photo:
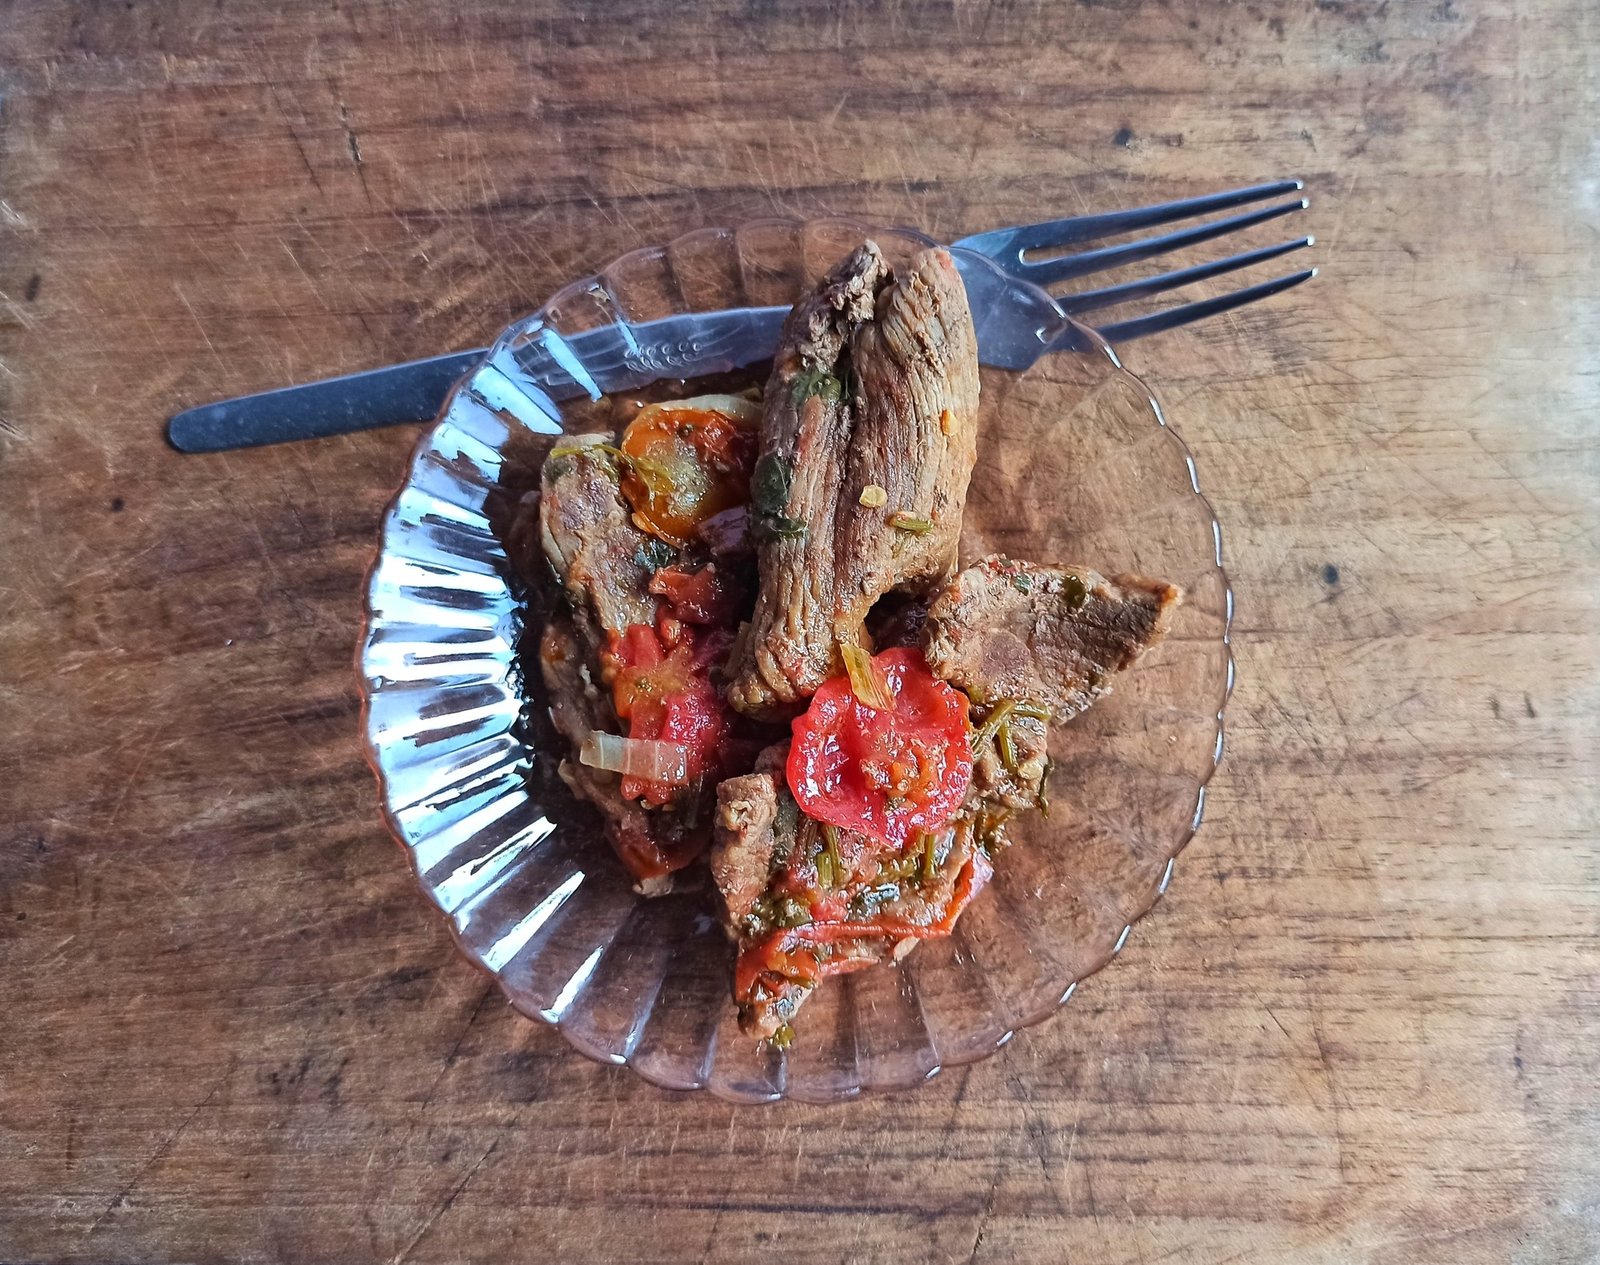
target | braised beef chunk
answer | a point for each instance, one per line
(753, 832)
(643, 840)
(916, 387)
(806, 424)
(604, 562)
(1048, 637)
(867, 445)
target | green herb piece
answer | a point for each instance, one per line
(783, 1038)
(1031, 711)
(653, 554)
(987, 730)
(1008, 747)
(1074, 590)
(785, 829)
(866, 682)
(1022, 582)
(809, 382)
(901, 521)
(770, 484)
(769, 493)
(791, 912)
(930, 856)
(830, 838)
(824, 871)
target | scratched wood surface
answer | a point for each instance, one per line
(1365, 1024)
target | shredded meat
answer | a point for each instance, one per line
(1048, 635)
(867, 445)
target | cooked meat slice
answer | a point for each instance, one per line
(916, 373)
(1051, 636)
(859, 492)
(650, 844)
(805, 435)
(745, 844)
(602, 560)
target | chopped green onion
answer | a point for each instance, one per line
(866, 682)
(1031, 711)
(830, 837)
(901, 521)
(988, 729)
(930, 856)
(1008, 748)
(1022, 582)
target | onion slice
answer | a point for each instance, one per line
(648, 759)
(866, 682)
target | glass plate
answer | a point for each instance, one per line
(1076, 464)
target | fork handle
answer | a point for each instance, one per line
(335, 406)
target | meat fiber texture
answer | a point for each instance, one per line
(868, 440)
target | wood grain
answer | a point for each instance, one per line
(1365, 1024)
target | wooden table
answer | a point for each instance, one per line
(1365, 1024)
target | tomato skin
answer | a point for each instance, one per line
(885, 773)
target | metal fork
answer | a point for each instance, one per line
(1041, 254)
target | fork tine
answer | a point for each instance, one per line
(1110, 296)
(1157, 322)
(1048, 271)
(1084, 228)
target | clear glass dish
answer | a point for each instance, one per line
(1076, 464)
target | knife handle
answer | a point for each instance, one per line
(413, 392)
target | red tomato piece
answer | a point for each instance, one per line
(688, 461)
(792, 955)
(702, 597)
(666, 694)
(884, 772)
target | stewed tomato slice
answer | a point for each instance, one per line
(687, 461)
(666, 693)
(884, 771)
